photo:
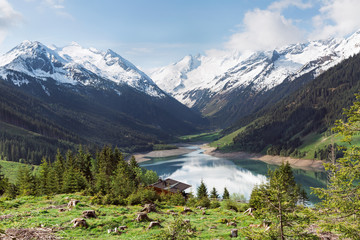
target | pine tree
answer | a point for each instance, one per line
(25, 181)
(214, 194)
(4, 182)
(202, 191)
(43, 178)
(278, 197)
(342, 196)
(226, 194)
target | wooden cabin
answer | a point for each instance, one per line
(169, 186)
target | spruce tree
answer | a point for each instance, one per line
(43, 178)
(202, 191)
(226, 194)
(341, 198)
(214, 194)
(25, 181)
(3, 182)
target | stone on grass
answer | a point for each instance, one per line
(148, 208)
(142, 217)
(153, 224)
(122, 228)
(234, 233)
(73, 203)
(186, 210)
(79, 222)
(89, 214)
(231, 224)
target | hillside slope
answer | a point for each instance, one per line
(73, 95)
(232, 85)
(313, 109)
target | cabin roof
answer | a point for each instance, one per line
(171, 185)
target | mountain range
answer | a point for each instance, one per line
(83, 96)
(229, 85)
(57, 98)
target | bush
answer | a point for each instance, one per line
(231, 204)
(178, 229)
(173, 199)
(142, 196)
(214, 204)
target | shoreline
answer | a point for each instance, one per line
(181, 150)
(305, 164)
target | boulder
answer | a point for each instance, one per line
(73, 203)
(149, 208)
(79, 222)
(89, 214)
(186, 210)
(153, 224)
(234, 233)
(142, 217)
(122, 228)
(231, 224)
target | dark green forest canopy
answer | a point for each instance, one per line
(311, 109)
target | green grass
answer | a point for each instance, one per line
(10, 169)
(226, 140)
(312, 142)
(31, 212)
(202, 137)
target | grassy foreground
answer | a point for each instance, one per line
(43, 212)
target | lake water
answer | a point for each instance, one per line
(238, 176)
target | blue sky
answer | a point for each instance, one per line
(153, 33)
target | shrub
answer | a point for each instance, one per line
(173, 199)
(142, 196)
(178, 229)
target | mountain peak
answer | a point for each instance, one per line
(74, 64)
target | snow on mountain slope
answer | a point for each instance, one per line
(259, 70)
(74, 64)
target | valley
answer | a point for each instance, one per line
(84, 123)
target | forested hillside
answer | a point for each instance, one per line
(311, 109)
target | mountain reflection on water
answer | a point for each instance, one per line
(238, 176)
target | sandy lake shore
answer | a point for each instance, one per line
(181, 150)
(305, 164)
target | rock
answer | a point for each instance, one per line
(110, 231)
(249, 212)
(149, 208)
(203, 208)
(62, 210)
(231, 224)
(122, 228)
(89, 214)
(212, 227)
(142, 217)
(73, 203)
(203, 213)
(186, 220)
(234, 233)
(79, 222)
(153, 224)
(186, 210)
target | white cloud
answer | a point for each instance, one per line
(8, 18)
(337, 18)
(57, 4)
(264, 30)
(283, 4)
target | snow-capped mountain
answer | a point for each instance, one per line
(74, 65)
(195, 80)
(94, 97)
